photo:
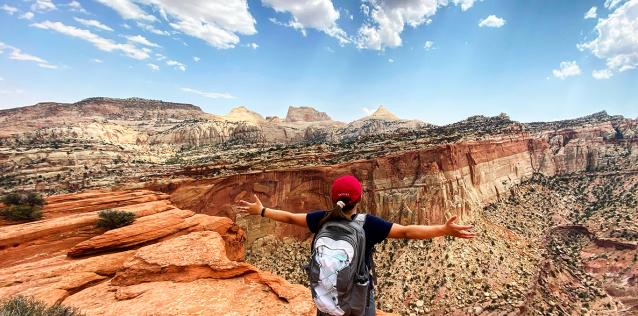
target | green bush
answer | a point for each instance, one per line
(29, 306)
(111, 219)
(22, 213)
(22, 206)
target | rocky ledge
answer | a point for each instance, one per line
(170, 261)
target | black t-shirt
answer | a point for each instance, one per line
(375, 228)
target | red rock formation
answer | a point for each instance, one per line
(184, 264)
(422, 186)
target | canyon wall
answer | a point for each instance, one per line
(423, 186)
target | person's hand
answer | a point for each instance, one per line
(458, 231)
(251, 208)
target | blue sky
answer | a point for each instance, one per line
(435, 60)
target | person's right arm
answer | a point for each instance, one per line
(255, 208)
(430, 231)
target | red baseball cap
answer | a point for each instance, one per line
(347, 187)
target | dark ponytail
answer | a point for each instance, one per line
(338, 212)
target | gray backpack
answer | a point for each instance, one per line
(339, 277)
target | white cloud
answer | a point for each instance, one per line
(317, 14)
(126, 26)
(139, 39)
(93, 23)
(17, 54)
(212, 95)
(617, 38)
(15, 91)
(253, 45)
(153, 67)
(76, 7)
(217, 22)
(27, 16)
(465, 4)
(196, 59)
(610, 4)
(390, 60)
(492, 21)
(602, 74)
(592, 13)
(367, 111)
(9, 9)
(43, 5)
(98, 41)
(97, 61)
(176, 64)
(387, 19)
(152, 29)
(429, 45)
(128, 10)
(160, 57)
(567, 69)
(49, 66)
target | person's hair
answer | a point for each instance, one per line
(338, 212)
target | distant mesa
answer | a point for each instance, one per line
(383, 114)
(241, 113)
(305, 114)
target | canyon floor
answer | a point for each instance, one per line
(554, 204)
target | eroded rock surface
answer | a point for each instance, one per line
(169, 261)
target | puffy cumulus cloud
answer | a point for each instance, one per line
(94, 23)
(567, 69)
(592, 13)
(43, 5)
(17, 54)
(464, 4)
(176, 64)
(196, 59)
(212, 95)
(316, 14)
(617, 38)
(492, 21)
(153, 67)
(139, 39)
(253, 45)
(602, 74)
(27, 16)
(9, 9)
(386, 19)
(128, 10)
(217, 22)
(76, 7)
(97, 41)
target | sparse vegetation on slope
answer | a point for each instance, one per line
(22, 206)
(29, 306)
(112, 219)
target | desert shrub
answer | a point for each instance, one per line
(111, 219)
(22, 206)
(29, 306)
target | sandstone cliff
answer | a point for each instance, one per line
(305, 114)
(169, 261)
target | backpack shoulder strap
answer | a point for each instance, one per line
(360, 219)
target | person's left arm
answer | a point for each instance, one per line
(430, 231)
(255, 208)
